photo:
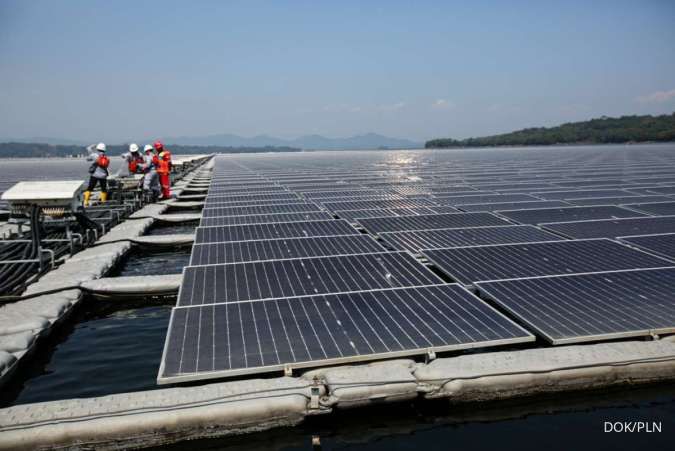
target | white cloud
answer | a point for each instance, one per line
(393, 107)
(657, 97)
(442, 104)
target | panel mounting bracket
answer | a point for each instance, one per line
(288, 371)
(430, 356)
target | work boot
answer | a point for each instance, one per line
(87, 195)
(104, 197)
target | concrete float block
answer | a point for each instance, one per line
(354, 386)
(498, 375)
(11, 323)
(7, 360)
(157, 416)
(17, 342)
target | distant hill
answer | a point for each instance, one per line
(308, 142)
(41, 150)
(605, 130)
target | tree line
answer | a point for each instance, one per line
(39, 150)
(604, 130)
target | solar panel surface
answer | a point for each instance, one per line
(215, 284)
(428, 222)
(262, 336)
(272, 230)
(247, 251)
(539, 216)
(663, 245)
(299, 207)
(509, 261)
(414, 241)
(612, 228)
(264, 219)
(590, 307)
(655, 208)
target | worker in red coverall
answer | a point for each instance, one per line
(164, 169)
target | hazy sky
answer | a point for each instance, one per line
(113, 70)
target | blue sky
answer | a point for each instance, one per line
(93, 70)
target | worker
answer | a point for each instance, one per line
(134, 162)
(151, 186)
(98, 171)
(164, 169)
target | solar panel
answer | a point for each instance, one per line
(590, 307)
(224, 198)
(429, 222)
(513, 205)
(559, 195)
(416, 240)
(444, 209)
(663, 244)
(226, 283)
(508, 261)
(264, 219)
(617, 200)
(663, 190)
(241, 190)
(249, 232)
(538, 216)
(484, 199)
(253, 203)
(209, 212)
(655, 208)
(352, 215)
(265, 336)
(376, 204)
(612, 228)
(245, 251)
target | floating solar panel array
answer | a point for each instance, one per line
(313, 259)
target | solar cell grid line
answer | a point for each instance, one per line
(353, 215)
(232, 282)
(484, 199)
(375, 204)
(654, 208)
(578, 194)
(618, 201)
(658, 244)
(282, 248)
(570, 213)
(208, 212)
(472, 264)
(263, 231)
(264, 219)
(513, 205)
(429, 222)
(415, 241)
(590, 307)
(322, 330)
(612, 228)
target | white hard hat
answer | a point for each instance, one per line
(133, 147)
(147, 147)
(101, 147)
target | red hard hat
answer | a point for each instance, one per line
(159, 145)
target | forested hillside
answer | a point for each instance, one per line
(605, 130)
